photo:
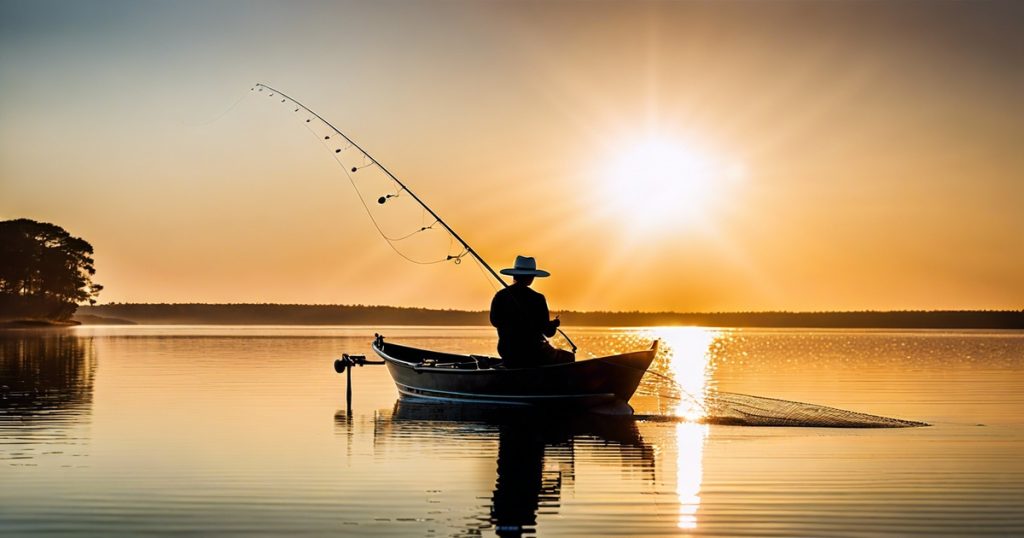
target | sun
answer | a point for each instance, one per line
(661, 181)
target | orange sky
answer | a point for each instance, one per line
(837, 155)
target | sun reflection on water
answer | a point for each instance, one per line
(689, 471)
(688, 352)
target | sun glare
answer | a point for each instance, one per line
(689, 351)
(660, 181)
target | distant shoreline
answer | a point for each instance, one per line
(37, 324)
(293, 314)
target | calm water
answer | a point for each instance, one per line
(242, 430)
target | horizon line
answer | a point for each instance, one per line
(360, 305)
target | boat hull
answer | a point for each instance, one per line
(424, 374)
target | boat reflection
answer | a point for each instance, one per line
(535, 458)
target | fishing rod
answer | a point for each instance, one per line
(374, 162)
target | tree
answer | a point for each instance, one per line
(44, 271)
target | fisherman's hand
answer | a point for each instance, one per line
(556, 322)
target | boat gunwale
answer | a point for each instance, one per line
(471, 358)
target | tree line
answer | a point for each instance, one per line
(45, 272)
(297, 314)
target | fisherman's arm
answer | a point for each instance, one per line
(550, 325)
(497, 311)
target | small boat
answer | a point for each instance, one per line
(604, 383)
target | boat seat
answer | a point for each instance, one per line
(485, 362)
(479, 362)
(455, 365)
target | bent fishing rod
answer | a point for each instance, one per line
(403, 187)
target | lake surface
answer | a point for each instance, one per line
(108, 431)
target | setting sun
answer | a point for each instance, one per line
(662, 181)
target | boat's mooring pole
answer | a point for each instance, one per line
(348, 390)
(345, 364)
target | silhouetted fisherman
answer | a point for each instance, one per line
(521, 316)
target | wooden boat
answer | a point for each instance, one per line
(605, 382)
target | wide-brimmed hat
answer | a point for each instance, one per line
(525, 266)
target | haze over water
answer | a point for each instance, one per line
(242, 431)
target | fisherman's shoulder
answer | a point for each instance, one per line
(530, 293)
(503, 293)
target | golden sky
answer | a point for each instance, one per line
(684, 156)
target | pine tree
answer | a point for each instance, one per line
(45, 272)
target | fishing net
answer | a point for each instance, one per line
(680, 375)
(747, 410)
(711, 406)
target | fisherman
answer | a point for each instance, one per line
(521, 316)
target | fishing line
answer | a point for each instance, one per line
(368, 162)
(366, 208)
(490, 281)
(680, 388)
(390, 240)
(218, 116)
(414, 232)
(366, 156)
